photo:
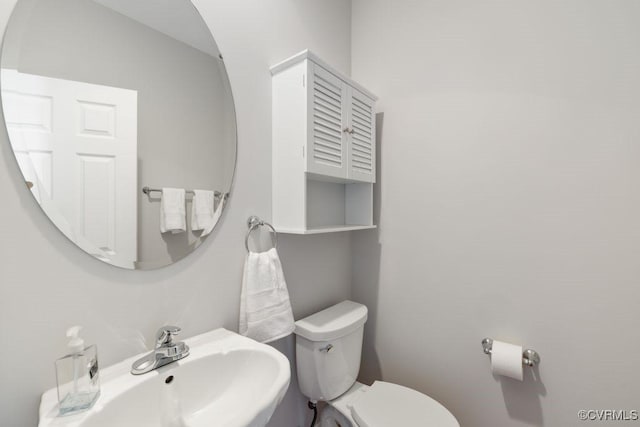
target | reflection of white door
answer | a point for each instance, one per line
(77, 142)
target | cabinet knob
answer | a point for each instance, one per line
(349, 131)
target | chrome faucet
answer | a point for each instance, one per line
(166, 351)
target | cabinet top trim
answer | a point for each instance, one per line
(307, 54)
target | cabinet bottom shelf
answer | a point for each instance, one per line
(324, 229)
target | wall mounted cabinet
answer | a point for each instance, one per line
(324, 148)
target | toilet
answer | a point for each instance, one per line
(328, 350)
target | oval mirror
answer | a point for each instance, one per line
(105, 98)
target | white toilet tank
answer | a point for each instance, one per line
(328, 350)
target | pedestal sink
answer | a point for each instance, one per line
(227, 381)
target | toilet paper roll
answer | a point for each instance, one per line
(506, 359)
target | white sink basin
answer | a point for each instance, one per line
(227, 380)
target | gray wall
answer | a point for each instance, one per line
(47, 284)
(183, 139)
(509, 202)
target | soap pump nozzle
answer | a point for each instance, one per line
(76, 344)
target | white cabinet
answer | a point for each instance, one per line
(342, 127)
(323, 148)
(362, 137)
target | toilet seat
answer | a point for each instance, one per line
(386, 404)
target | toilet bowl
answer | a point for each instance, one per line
(385, 404)
(328, 350)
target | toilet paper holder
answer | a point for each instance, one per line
(529, 357)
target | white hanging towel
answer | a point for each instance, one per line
(202, 213)
(265, 310)
(172, 211)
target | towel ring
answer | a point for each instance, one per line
(253, 223)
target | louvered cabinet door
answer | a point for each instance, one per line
(362, 135)
(327, 154)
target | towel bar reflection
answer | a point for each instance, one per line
(529, 357)
(253, 223)
(148, 190)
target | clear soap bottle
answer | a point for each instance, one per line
(77, 375)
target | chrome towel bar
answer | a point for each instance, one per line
(253, 223)
(147, 190)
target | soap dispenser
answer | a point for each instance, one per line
(77, 375)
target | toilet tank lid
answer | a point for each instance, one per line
(333, 322)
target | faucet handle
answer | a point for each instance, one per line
(165, 334)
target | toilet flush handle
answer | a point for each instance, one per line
(327, 348)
